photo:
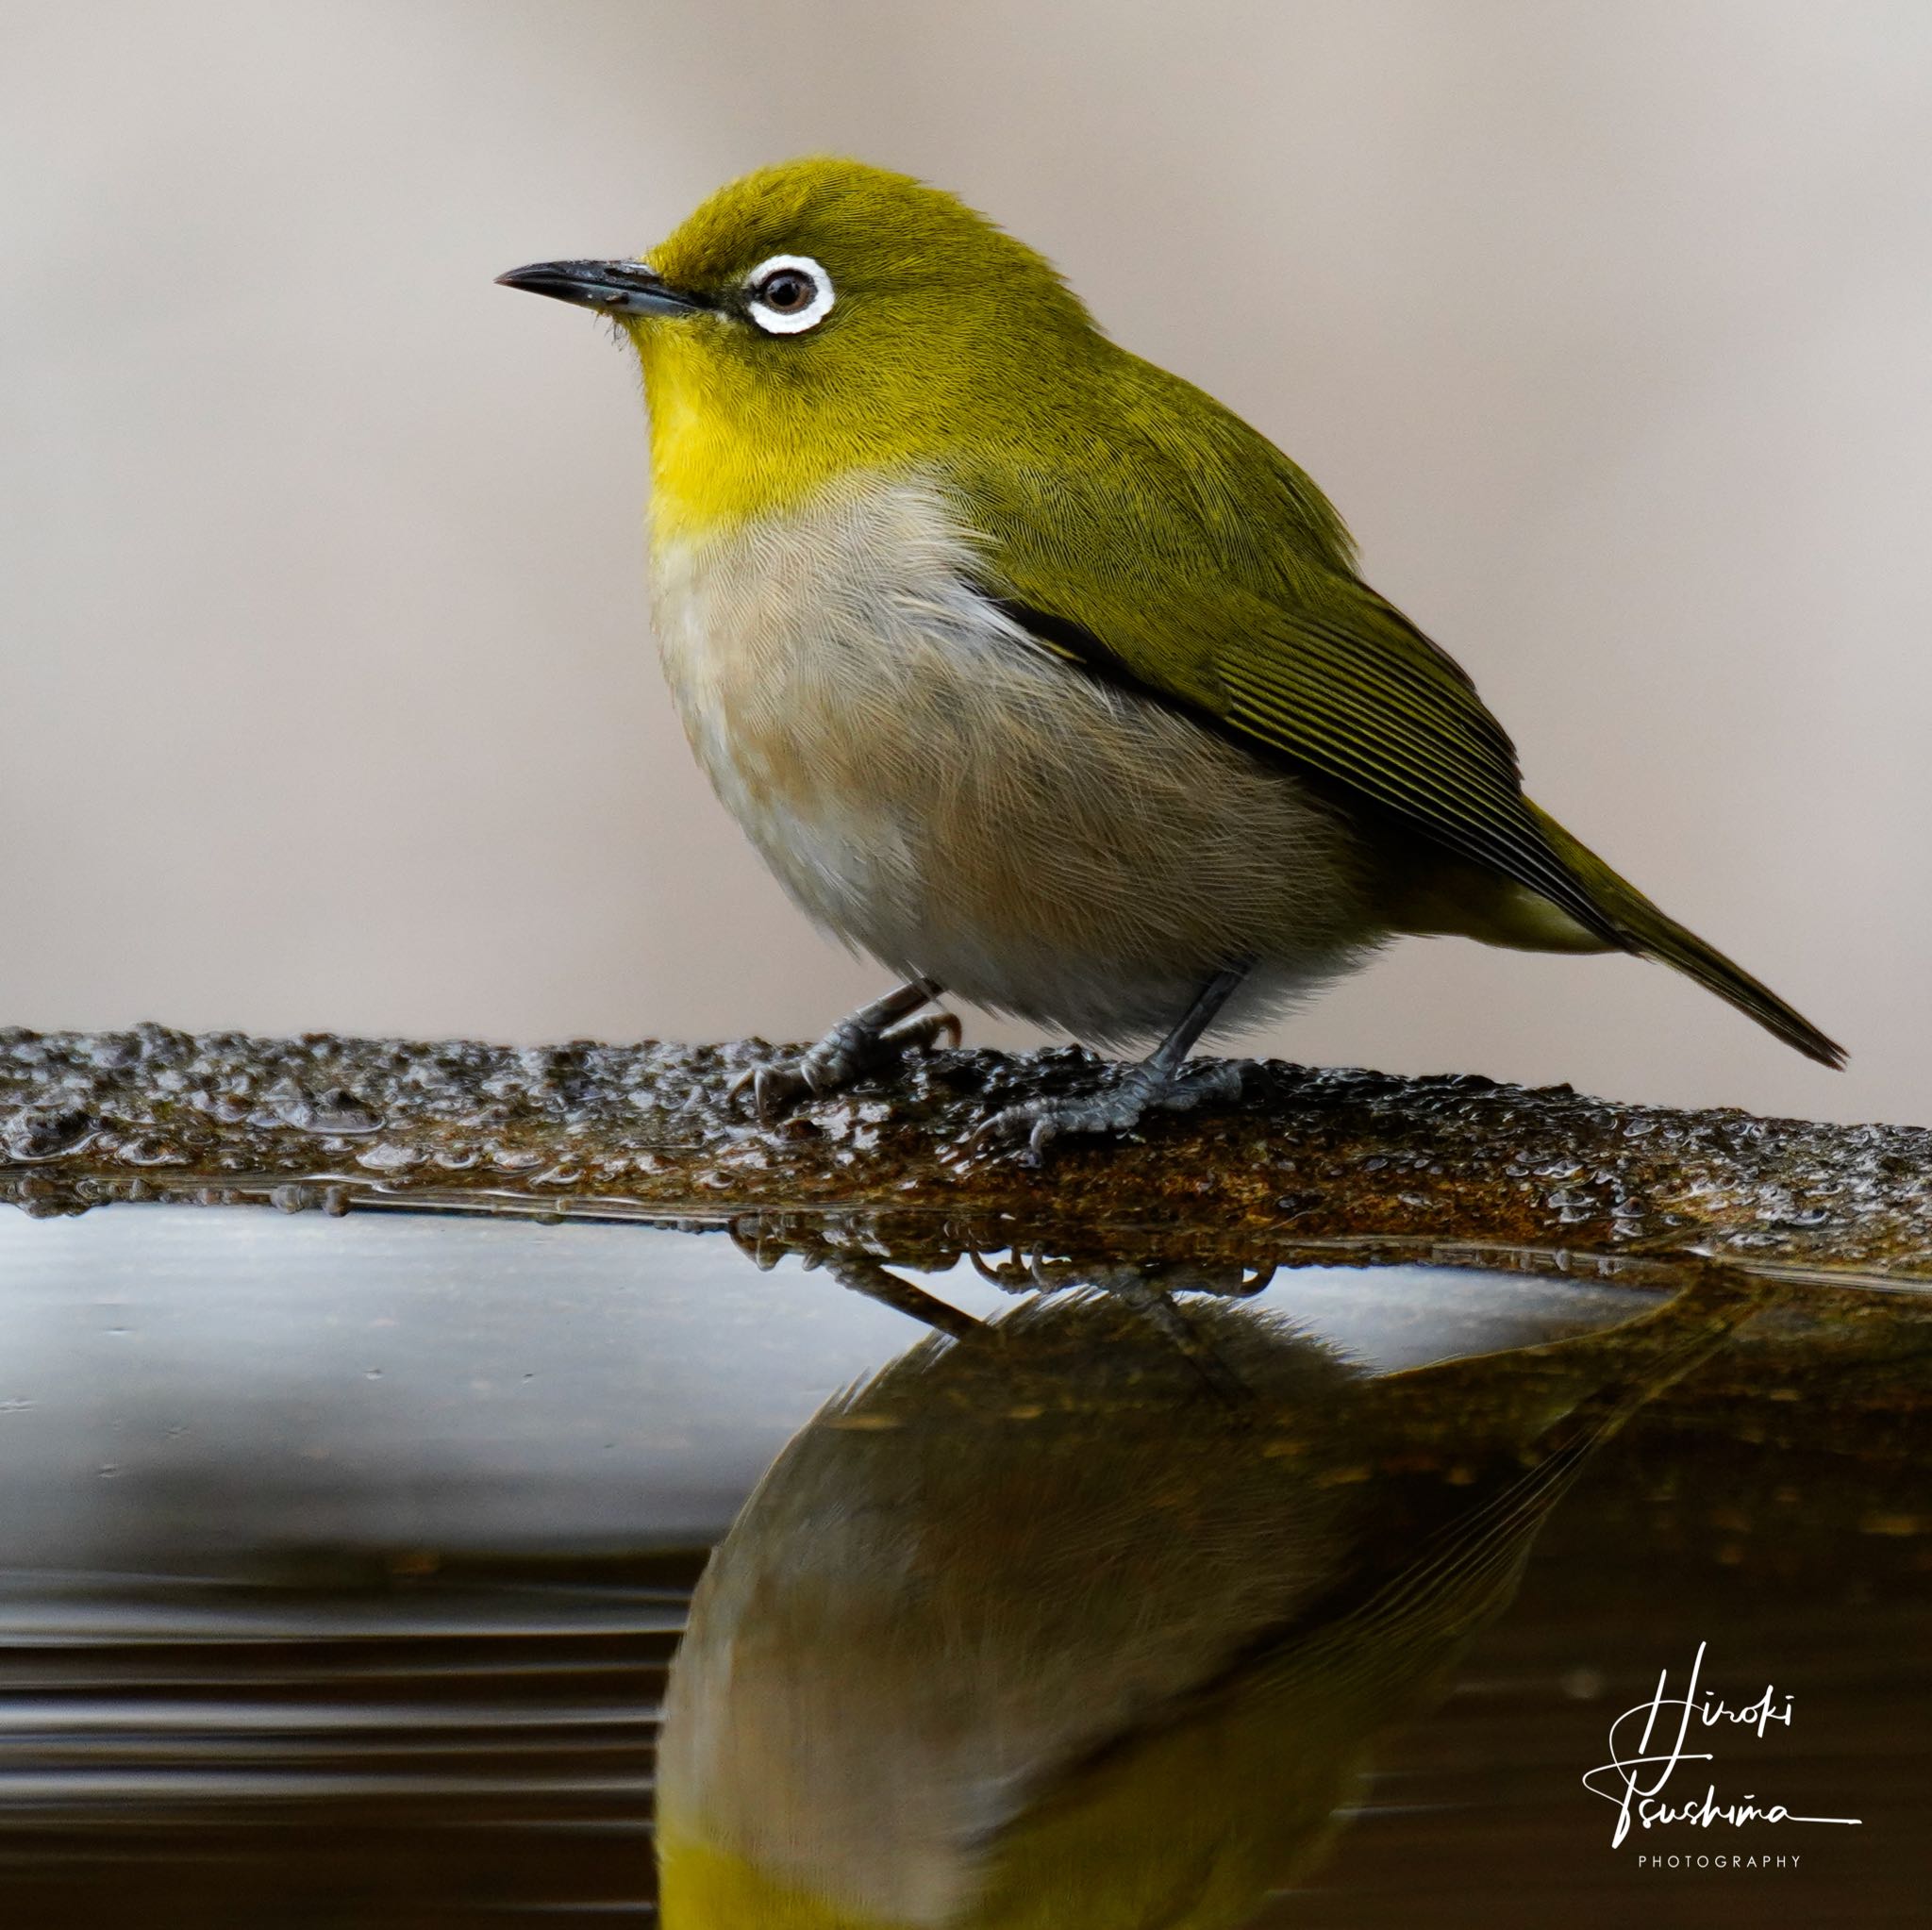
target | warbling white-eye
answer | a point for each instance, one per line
(1037, 674)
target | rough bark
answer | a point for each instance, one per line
(1309, 1159)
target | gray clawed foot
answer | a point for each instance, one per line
(867, 1042)
(1147, 1088)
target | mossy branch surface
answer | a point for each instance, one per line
(653, 1130)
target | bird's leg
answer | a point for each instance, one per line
(874, 1036)
(1162, 1082)
(864, 1275)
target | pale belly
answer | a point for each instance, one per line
(947, 796)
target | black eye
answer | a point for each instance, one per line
(787, 289)
(789, 293)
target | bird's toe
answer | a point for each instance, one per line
(854, 1048)
(1114, 1112)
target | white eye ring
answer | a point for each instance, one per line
(790, 321)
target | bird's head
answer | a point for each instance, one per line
(823, 316)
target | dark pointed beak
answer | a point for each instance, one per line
(618, 287)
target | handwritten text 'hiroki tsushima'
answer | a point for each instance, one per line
(1642, 1765)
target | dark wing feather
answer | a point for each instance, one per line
(1351, 690)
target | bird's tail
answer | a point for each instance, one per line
(1639, 926)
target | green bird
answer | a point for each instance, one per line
(1037, 674)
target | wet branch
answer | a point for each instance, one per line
(1308, 1157)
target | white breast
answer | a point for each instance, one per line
(942, 791)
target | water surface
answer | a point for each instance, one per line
(342, 1562)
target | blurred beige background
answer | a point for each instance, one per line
(326, 687)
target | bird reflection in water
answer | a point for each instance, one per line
(1090, 1615)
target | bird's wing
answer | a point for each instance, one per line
(1219, 581)
(1180, 555)
(1336, 682)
